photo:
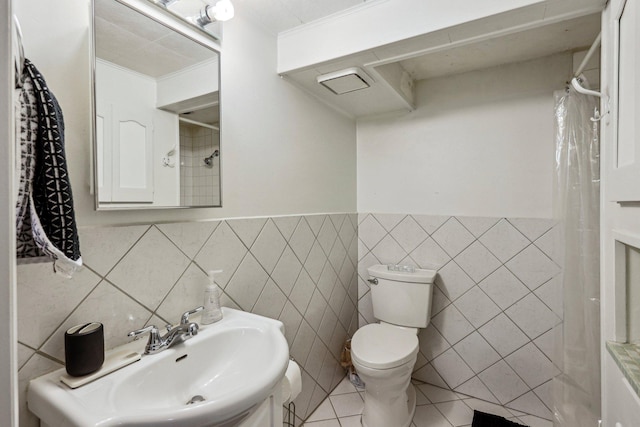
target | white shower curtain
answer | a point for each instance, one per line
(577, 388)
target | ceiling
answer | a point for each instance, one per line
(281, 15)
(134, 41)
(538, 42)
(523, 35)
(125, 43)
(124, 38)
(420, 63)
(115, 22)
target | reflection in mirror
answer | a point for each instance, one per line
(157, 122)
(205, 16)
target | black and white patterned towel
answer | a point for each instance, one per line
(45, 218)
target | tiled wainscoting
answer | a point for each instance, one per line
(299, 269)
(497, 300)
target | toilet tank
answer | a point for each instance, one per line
(401, 297)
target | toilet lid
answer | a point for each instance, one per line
(380, 346)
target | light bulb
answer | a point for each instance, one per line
(221, 11)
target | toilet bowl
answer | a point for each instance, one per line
(384, 356)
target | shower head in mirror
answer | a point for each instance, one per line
(209, 160)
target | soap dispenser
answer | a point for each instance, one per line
(212, 311)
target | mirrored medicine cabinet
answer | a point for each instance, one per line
(157, 112)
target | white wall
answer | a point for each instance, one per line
(479, 144)
(166, 180)
(200, 79)
(282, 152)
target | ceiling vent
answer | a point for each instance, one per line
(345, 81)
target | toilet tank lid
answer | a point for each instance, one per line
(417, 276)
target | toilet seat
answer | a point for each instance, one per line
(380, 346)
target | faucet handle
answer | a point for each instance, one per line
(192, 329)
(151, 329)
(184, 320)
(154, 337)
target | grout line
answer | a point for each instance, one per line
(39, 349)
(126, 252)
(460, 397)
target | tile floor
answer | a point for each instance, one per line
(436, 407)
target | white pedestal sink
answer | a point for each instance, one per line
(221, 377)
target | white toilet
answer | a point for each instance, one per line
(385, 353)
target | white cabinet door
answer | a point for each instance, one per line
(132, 156)
(103, 152)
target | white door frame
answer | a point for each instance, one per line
(619, 227)
(8, 334)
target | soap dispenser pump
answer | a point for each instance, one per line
(212, 311)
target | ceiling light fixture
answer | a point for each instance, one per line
(166, 3)
(221, 11)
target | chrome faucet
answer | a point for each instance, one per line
(174, 335)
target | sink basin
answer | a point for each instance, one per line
(216, 377)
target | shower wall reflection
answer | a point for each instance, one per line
(198, 177)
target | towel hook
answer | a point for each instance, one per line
(166, 159)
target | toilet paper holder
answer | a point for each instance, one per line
(290, 419)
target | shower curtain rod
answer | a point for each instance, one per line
(590, 52)
(576, 81)
(204, 125)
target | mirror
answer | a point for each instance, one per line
(157, 113)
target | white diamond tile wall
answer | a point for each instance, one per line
(496, 301)
(301, 270)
